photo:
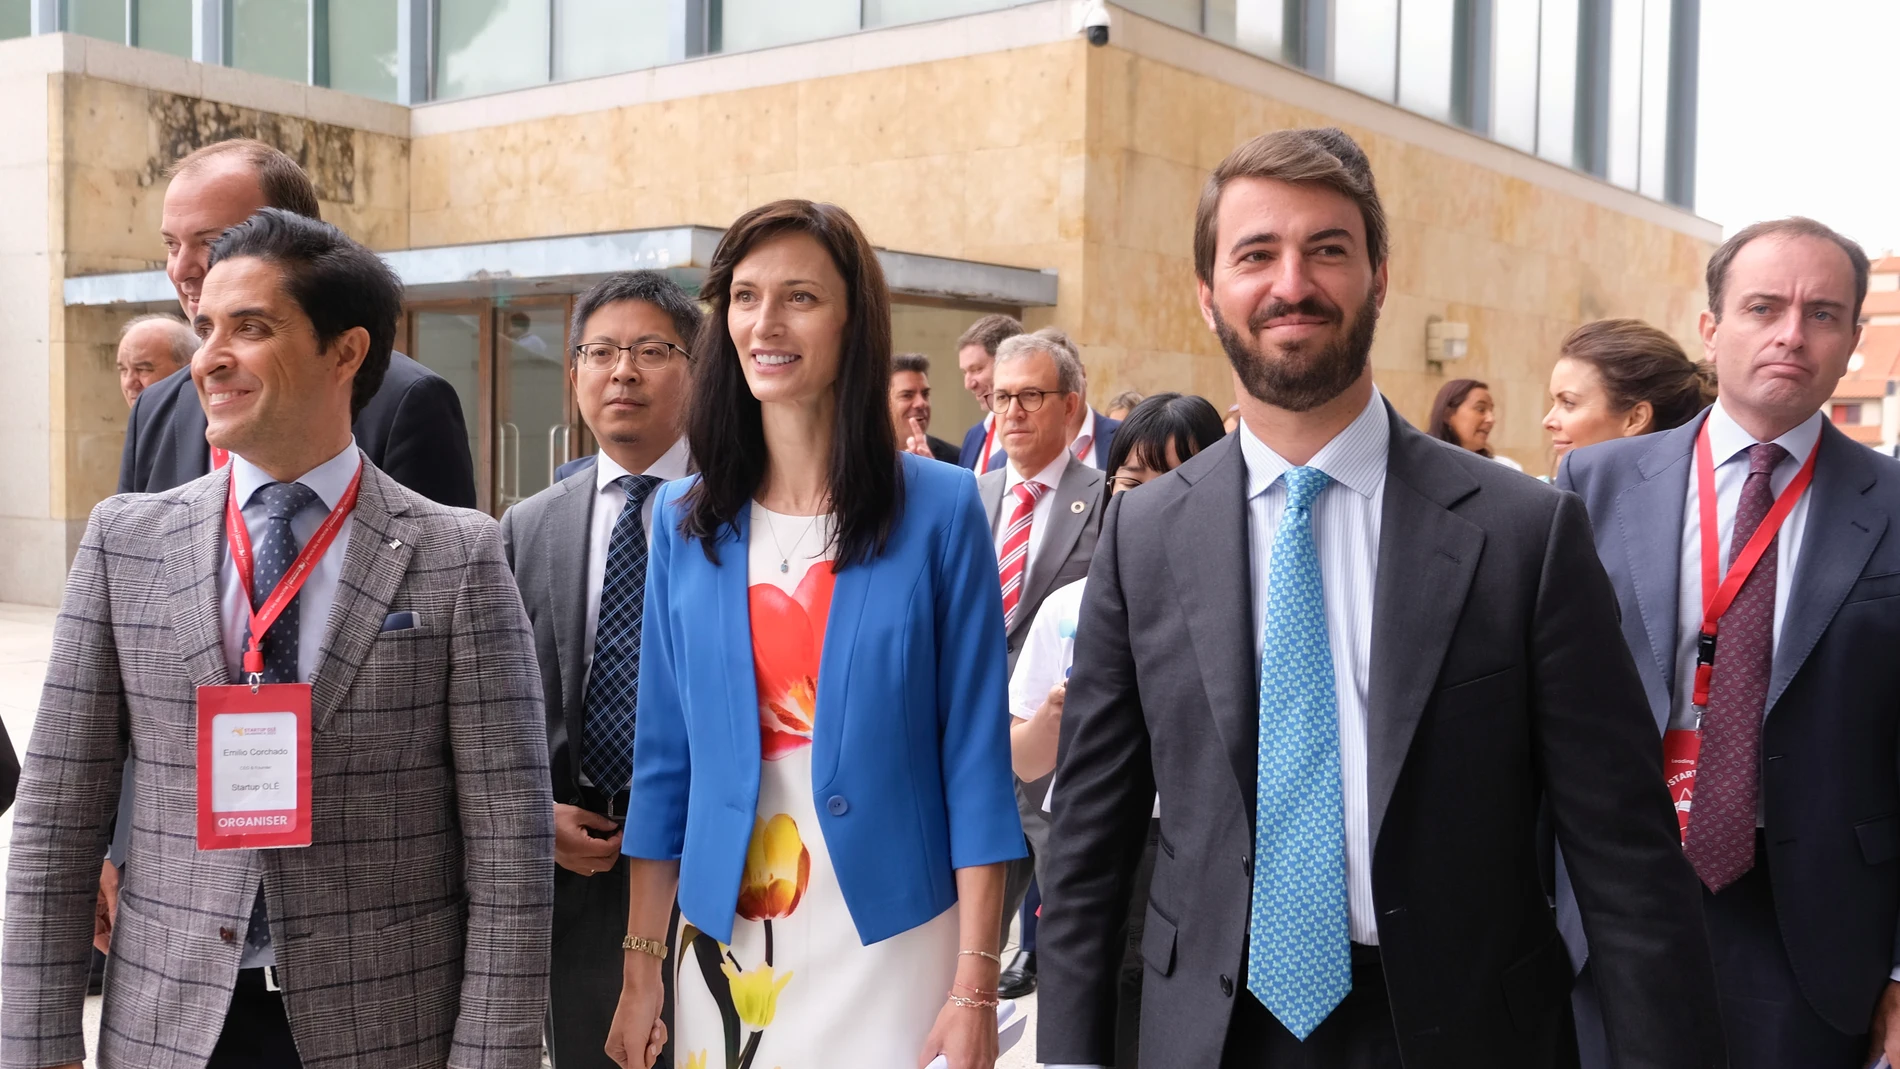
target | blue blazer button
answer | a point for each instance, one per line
(837, 805)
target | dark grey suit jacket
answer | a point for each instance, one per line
(1497, 679)
(1831, 738)
(1062, 557)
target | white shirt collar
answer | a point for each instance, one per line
(1087, 431)
(1727, 439)
(670, 465)
(328, 480)
(1355, 458)
(1050, 477)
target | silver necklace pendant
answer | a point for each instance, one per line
(784, 565)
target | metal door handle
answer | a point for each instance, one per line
(555, 459)
(511, 494)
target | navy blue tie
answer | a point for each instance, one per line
(613, 683)
(273, 554)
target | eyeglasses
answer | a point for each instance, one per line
(647, 356)
(1031, 400)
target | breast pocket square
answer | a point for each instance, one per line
(400, 621)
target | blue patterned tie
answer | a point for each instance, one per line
(1299, 959)
(613, 683)
(274, 553)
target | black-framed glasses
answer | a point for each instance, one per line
(1031, 400)
(647, 355)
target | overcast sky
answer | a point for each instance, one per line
(1799, 115)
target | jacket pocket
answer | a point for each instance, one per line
(1879, 839)
(1874, 587)
(1157, 942)
(1535, 982)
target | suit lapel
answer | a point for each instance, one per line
(850, 590)
(1842, 531)
(731, 592)
(566, 533)
(1649, 524)
(194, 551)
(1211, 570)
(1080, 485)
(194, 453)
(1427, 557)
(382, 538)
(989, 488)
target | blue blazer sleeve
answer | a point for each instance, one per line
(662, 766)
(973, 691)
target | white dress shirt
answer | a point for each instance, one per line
(1346, 533)
(609, 502)
(1728, 447)
(1050, 477)
(1087, 430)
(328, 480)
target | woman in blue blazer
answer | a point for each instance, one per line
(821, 762)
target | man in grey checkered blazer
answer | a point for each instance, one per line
(414, 930)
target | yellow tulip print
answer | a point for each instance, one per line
(777, 868)
(755, 992)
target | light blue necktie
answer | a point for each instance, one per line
(1299, 958)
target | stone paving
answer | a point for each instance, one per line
(26, 639)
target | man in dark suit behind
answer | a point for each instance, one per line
(1351, 660)
(577, 550)
(1794, 826)
(412, 429)
(910, 408)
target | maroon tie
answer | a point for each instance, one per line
(1721, 839)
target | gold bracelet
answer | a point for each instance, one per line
(654, 947)
(980, 954)
(974, 1004)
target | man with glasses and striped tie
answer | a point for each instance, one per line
(1356, 662)
(1045, 507)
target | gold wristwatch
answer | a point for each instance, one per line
(655, 947)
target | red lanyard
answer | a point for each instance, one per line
(1719, 591)
(219, 457)
(989, 436)
(239, 537)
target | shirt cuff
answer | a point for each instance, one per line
(1895, 976)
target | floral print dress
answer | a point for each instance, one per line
(796, 989)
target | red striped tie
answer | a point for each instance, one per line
(1013, 560)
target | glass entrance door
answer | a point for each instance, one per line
(507, 362)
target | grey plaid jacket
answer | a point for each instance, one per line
(414, 930)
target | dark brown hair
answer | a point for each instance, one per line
(284, 184)
(1639, 363)
(1325, 157)
(990, 332)
(724, 427)
(1450, 398)
(917, 362)
(1795, 226)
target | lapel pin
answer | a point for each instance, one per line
(1078, 507)
(395, 543)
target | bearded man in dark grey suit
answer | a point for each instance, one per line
(412, 931)
(1353, 661)
(578, 549)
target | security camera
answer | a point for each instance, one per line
(1095, 22)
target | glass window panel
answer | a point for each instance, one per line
(1514, 74)
(1557, 83)
(1269, 28)
(1626, 92)
(595, 37)
(1183, 13)
(104, 19)
(1425, 55)
(449, 343)
(748, 24)
(1365, 47)
(164, 25)
(361, 47)
(531, 402)
(269, 37)
(487, 46)
(898, 12)
(16, 20)
(1652, 176)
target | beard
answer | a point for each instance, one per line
(1302, 376)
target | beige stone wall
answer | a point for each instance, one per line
(1521, 263)
(116, 141)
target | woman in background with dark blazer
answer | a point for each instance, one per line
(821, 763)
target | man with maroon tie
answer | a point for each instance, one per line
(1754, 556)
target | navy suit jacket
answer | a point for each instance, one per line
(1830, 742)
(1105, 429)
(412, 429)
(910, 749)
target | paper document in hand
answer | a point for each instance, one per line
(1011, 1024)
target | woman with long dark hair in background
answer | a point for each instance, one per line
(821, 765)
